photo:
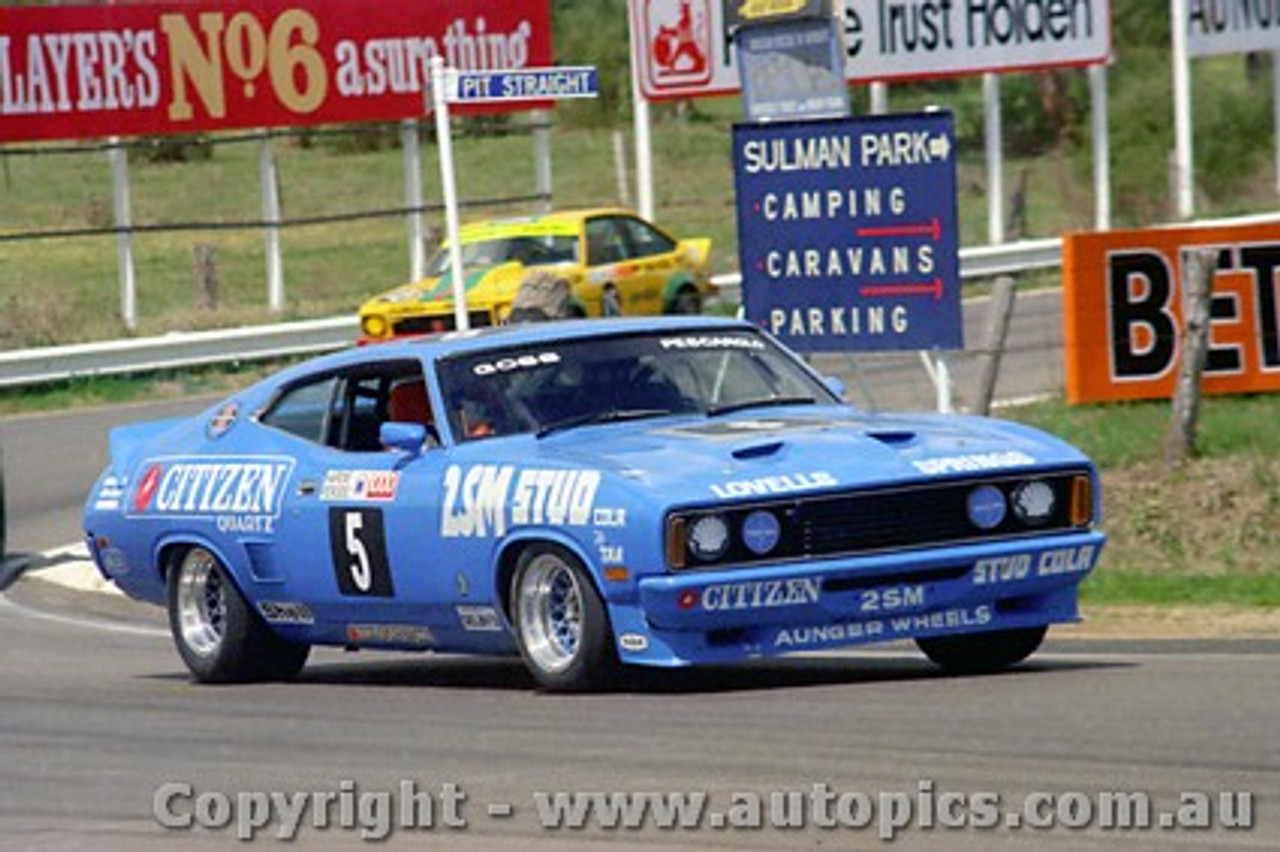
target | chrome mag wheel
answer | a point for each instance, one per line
(201, 603)
(551, 617)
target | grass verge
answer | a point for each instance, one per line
(1205, 532)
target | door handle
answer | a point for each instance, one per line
(306, 488)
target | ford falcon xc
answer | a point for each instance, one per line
(628, 492)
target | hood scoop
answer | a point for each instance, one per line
(894, 438)
(757, 451)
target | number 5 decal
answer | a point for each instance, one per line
(359, 548)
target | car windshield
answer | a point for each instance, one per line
(538, 250)
(565, 384)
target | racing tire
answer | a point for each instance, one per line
(981, 653)
(561, 624)
(217, 635)
(686, 303)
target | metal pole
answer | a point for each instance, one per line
(271, 220)
(940, 374)
(542, 156)
(444, 141)
(1275, 110)
(644, 148)
(879, 98)
(411, 145)
(1101, 148)
(995, 158)
(123, 208)
(1183, 155)
(620, 168)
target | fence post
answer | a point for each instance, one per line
(542, 157)
(271, 222)
(1002, 298)
(124, 232)
(1198, 288)
(620, 168)
(206, 276)
(411, 146)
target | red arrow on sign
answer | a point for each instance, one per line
(932, 229)
(933, 288)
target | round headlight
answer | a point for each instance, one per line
(1033, 502)
(708, 537)
(374, 326)
(986, 507)
(760, 532)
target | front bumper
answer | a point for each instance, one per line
(712, 616)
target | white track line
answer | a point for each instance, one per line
(9, 605)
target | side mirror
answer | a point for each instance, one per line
(406, 437)
(835, 385)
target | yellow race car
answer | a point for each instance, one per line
(615, 262)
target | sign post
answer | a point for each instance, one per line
(848, 232)
(450, 86)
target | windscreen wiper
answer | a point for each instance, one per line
(762, 402)
(604, 415)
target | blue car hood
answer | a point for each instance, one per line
(756, 454)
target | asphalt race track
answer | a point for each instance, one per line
(103, 736)
(98, 716)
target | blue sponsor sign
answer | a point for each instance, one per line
(847, 231)
(528, 84)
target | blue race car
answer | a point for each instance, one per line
(591, 495)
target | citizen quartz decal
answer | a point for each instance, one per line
(238, 493)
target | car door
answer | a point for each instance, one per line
(623, 283)
(654, 259)
(350, 537)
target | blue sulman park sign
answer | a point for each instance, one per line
(847, 232)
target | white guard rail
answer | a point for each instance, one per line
(197, 348)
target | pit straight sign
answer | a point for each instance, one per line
(528, 84)
(847, 232)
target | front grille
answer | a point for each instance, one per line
(439, 322)
(927, 515)
(914, 517)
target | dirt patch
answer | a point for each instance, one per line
(1142, 621)
(1212, 516)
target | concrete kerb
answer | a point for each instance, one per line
(70, 567)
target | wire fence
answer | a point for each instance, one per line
(345, 224)
(140, 148)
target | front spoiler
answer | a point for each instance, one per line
(718, 616)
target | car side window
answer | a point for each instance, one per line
(357, 414)
(304, 410)
(605, 243)
(346, 411)
(645, 239)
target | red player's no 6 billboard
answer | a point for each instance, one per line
(71, 72)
